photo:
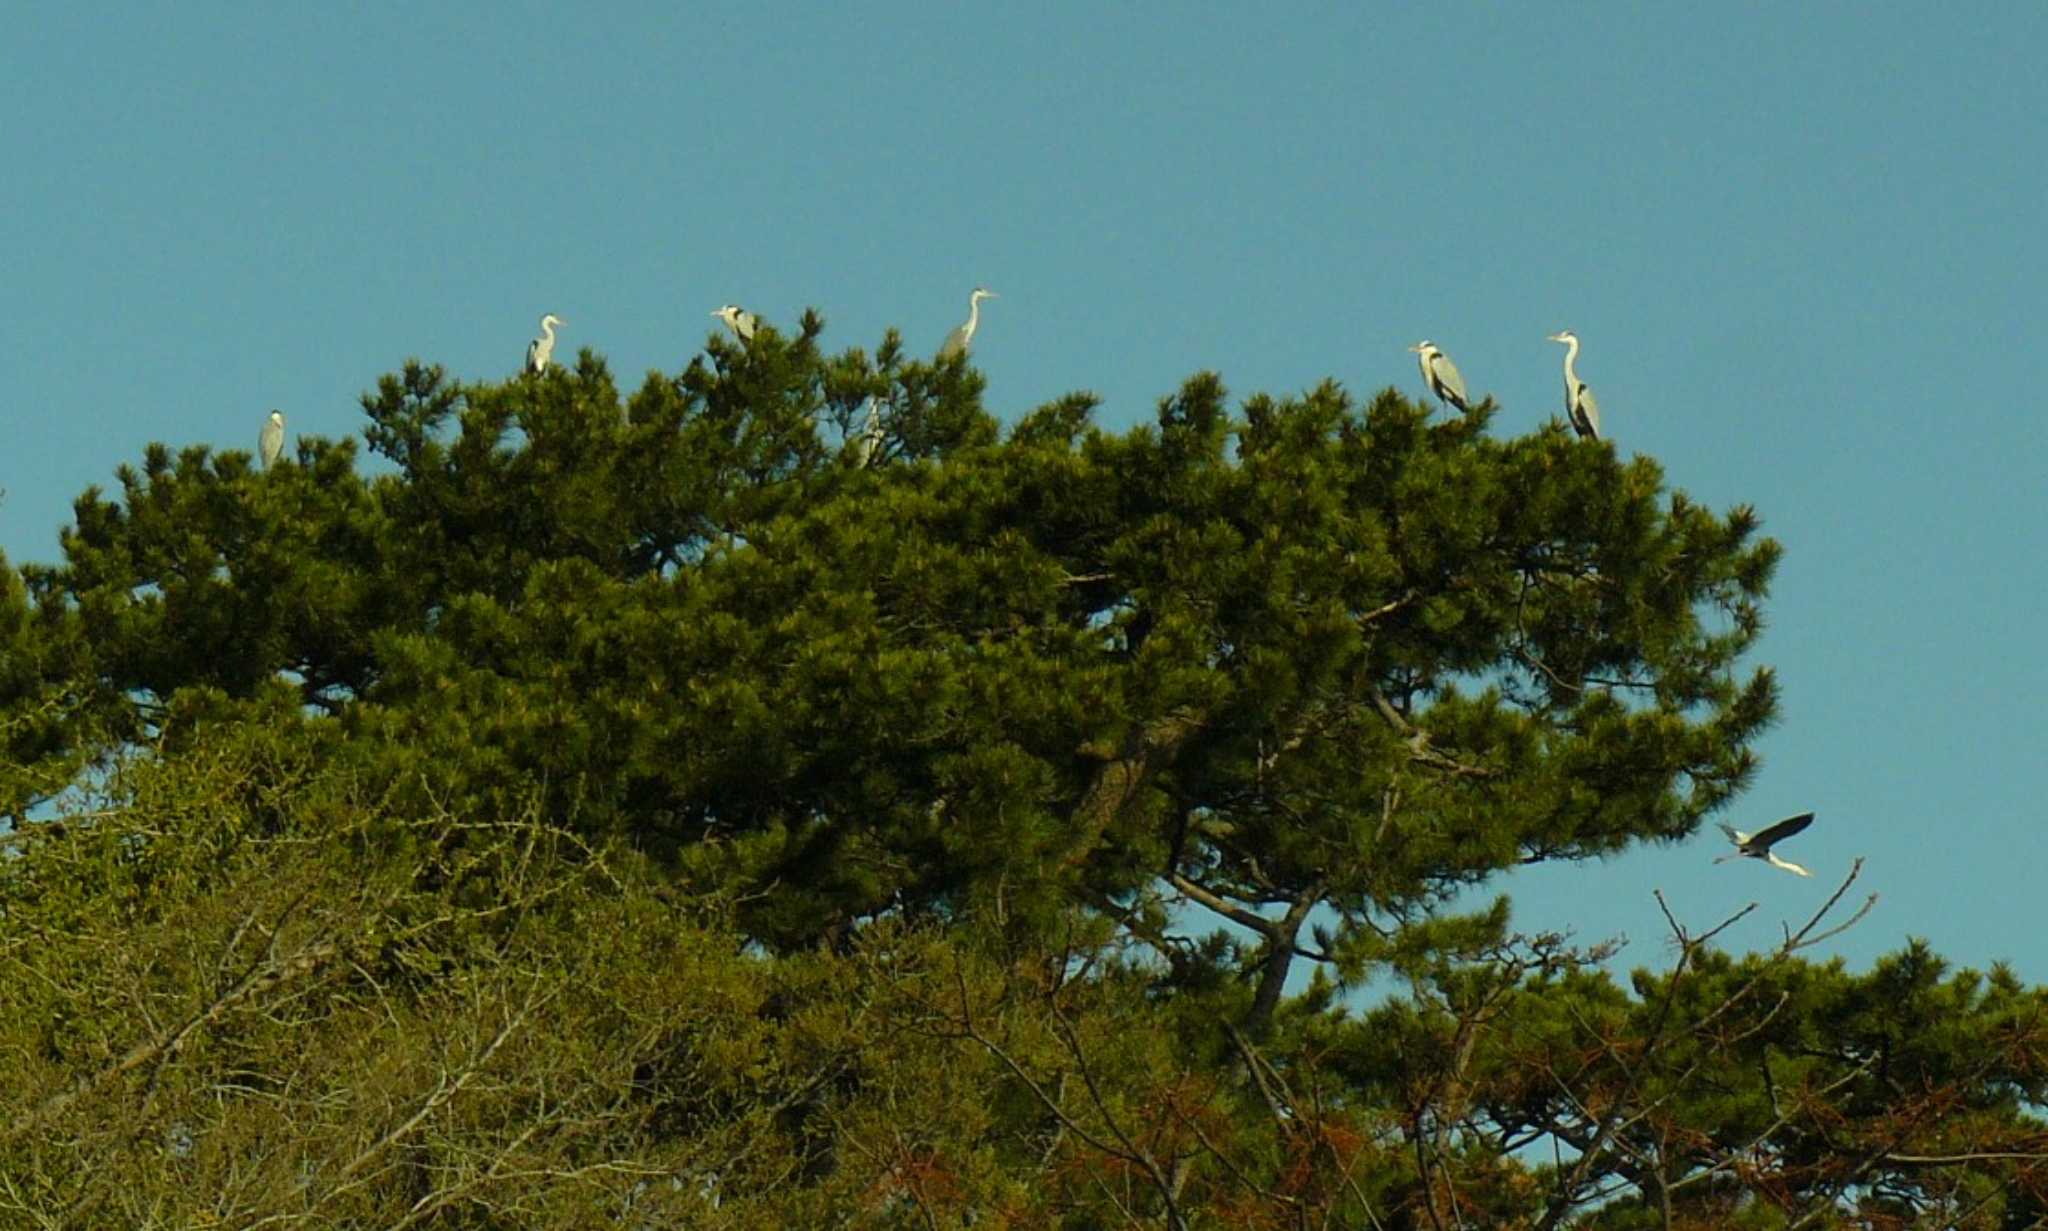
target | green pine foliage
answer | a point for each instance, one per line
(645, 810)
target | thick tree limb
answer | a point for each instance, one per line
(1144, 750)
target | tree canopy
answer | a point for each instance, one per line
(653, 809)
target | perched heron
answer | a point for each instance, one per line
(270, 445)
(541, 351)
(739, 320)
(870, 435)
(1758, 845)
(1578, 400)
(1440, 374)
(957, 342)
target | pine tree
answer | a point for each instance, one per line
(710, 817)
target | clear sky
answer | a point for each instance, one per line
(1804, 246)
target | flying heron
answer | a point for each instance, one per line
(270, 444)
(739, 320)
(1578, 399)
(957, 342)
(541, 351)
(1440, 374)
(1758, 845)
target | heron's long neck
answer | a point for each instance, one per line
(1571, 352)
(973, 312)
(547, 329)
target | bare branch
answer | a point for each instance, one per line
(1801, 939)
(165, 1045)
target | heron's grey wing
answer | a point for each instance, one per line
(955, 342)
(1588, 409)
(1447, 375)
(744, 324)
(1783, 829)
(270, 445)
(533, 355)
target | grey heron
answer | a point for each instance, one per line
(957, 342)
(1440, 374)
(541, 351)
(1578, 399)
(270, 444)
(870, 435)
(1758, 845)
(739, 320)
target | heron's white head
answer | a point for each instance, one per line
(551, 321)
(1423, 347)
(277, 417)
(981, 292)
(727, 313)
(1565, 336)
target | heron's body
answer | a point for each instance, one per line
(870, 435)
(541, 351)
(739, 320)
(1440, 374)
(270, 443)
(1578, 399)
(1758, 845)
(961, 338)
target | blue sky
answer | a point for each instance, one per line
(1804, 246)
